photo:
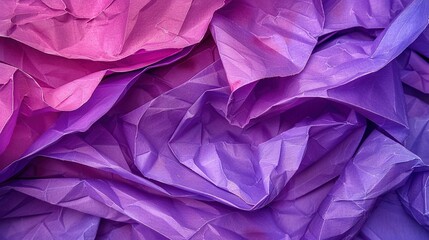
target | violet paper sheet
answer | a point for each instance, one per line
(214, 119)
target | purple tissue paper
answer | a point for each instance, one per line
(235, 119)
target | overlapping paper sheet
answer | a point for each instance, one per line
(205, 119)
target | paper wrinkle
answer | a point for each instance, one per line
(285, 50)
(281, 120)
(85, 26)
(102, 100)
(414, 73)
(293, 89)
(390, 213)
(370, 14)
(37, 219)
(363, 173)
(62, 79)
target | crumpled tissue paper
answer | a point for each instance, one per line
(125, 119)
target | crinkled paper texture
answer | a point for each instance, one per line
(214, 120)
